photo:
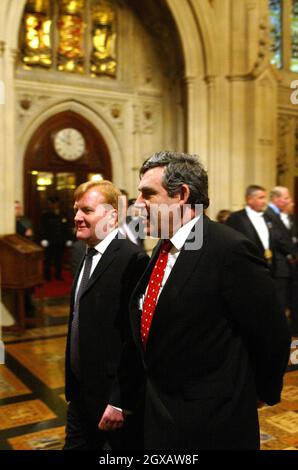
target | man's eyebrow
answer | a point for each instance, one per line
(147, 189)
(84, 208)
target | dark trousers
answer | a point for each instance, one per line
(83, 434)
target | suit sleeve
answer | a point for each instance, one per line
(233, 222)
(127, 386)
(252, 302)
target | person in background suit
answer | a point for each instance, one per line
(289, 219)
(252, 223)
(209, 339)
(54, 236)
(99, 323)
(223, 215)
(129, 226)
(24, 225)
(285, 252)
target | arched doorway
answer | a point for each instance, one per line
(63, 152)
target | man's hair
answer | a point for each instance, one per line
(276, 192)
(181, 168)
(252, 188)
(107, 189)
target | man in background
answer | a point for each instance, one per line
(252, 222)
(24, 225)
(285, 253)
(55, 235)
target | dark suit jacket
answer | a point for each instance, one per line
(218, 342)
(104, 323)
(240, 221)
(283, 245)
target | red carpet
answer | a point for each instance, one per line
(55, 288)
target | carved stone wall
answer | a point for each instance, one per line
(132, 106)
(222, 102)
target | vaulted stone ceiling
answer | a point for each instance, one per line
(159, 22)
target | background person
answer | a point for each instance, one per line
(55, 235)
(252, 222)
(285, 250)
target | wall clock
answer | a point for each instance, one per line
(69, 144)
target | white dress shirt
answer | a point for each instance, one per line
(258, 221)
(178, 240)
(286, 220)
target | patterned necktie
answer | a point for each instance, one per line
(74, 336)
(153, 290)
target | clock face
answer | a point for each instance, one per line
(69, 144)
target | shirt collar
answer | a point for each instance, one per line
(252, 212)
(103, 244)
(181, 235)
(274, 208)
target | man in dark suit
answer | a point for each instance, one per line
(285, 250)
(253, 224)
(218, 343)
(54, 236)
(289, 219)
(99, 322)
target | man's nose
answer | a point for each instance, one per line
(78, 216)
(140, 202)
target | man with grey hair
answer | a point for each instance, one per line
(252, 223)
(209, 339)
(285, 250)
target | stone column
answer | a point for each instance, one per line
(196, 117)
(7, 155)
(7, 161)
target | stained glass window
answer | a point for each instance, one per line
(275, 14)
(77, 36)
(37, 24)
(294, 37)
(70, 54)
(103, 57)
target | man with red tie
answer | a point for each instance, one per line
(210, 343)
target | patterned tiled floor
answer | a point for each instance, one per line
(279, 423)
(43, 358)
(33, 407)
(32, 402)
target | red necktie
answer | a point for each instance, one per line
(153, 290)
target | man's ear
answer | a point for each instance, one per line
(184, 194)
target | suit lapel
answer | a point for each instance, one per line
(251, 229)
(74, 284)
(179, 276)
(276, 218)
(106, 259)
